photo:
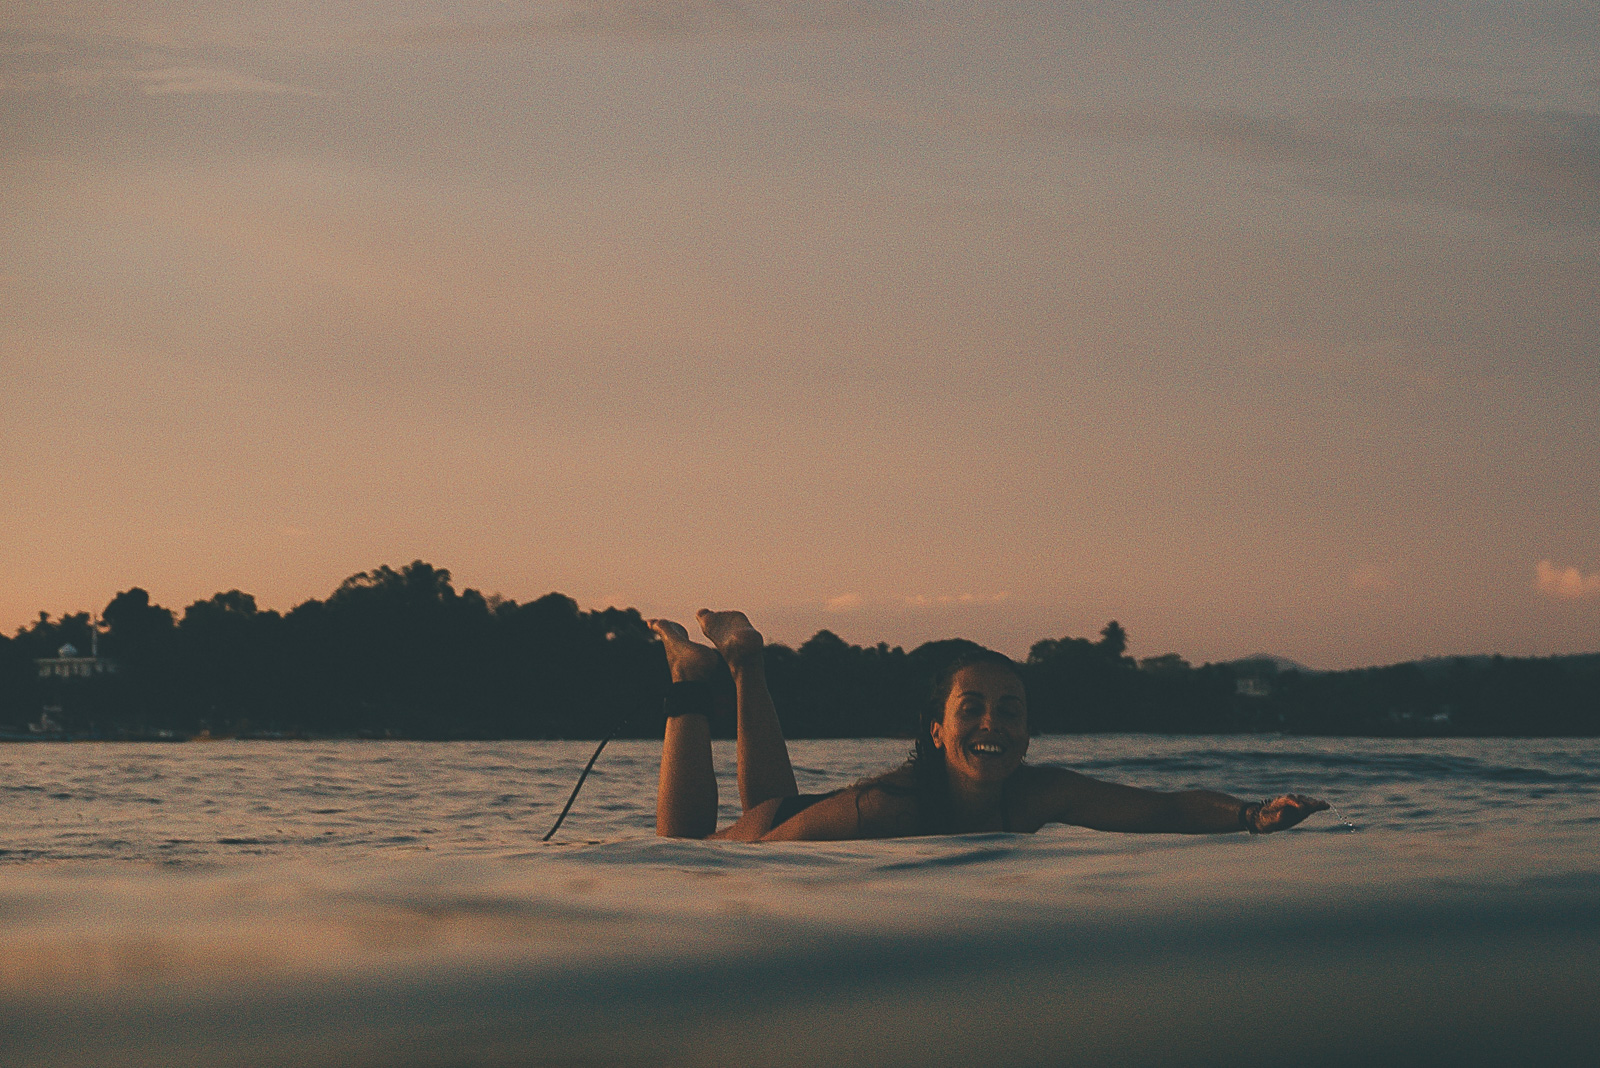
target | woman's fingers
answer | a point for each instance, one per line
(1284, 812)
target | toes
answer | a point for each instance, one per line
(725, 621)
(668, 630)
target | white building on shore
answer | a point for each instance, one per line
(67, 664)
(58, 675)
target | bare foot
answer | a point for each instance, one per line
(686, 658)
(739, 643)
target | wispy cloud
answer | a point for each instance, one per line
(1231, 133)
(1565, 583)
(25, 46)
(845, 602)
(188, 80)
(1494, 160)
(661, 18)
(152, 81)
(96, 63)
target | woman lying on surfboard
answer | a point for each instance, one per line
(965, 775)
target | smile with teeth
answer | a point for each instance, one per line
(988, 748)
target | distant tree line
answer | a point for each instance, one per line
(404, 654)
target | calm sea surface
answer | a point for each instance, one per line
(390, 903)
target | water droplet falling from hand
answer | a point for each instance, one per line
(1348, 826)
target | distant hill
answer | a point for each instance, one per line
(1440, 665)
(1431, 666)
(1268, 664)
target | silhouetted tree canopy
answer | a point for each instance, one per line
(403, 653)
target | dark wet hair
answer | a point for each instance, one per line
(929, 782)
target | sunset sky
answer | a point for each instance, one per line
(1257, 327)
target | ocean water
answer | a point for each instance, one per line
(391, 903)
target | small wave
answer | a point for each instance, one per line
(961, 859)
(1202, 761)
(1537, 775)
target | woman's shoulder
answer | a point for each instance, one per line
(896, 780)
(872, 808)
(887, 803)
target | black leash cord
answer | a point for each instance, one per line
(586, 769)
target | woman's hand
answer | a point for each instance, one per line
(1280, 813)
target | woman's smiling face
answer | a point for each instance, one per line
(984, 732)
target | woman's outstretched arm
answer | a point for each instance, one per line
(1056, 795)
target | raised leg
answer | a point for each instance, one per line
(686, 800)
(764, 769)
